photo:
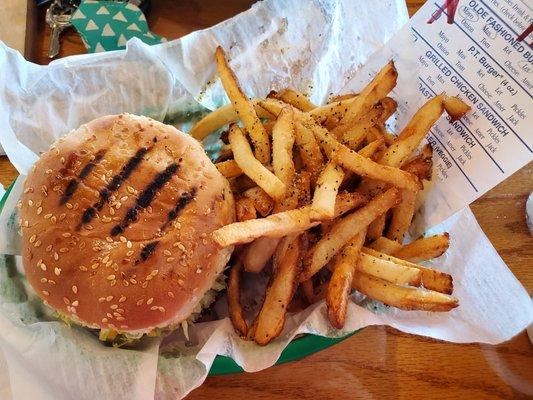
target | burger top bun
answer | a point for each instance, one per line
(116, 223)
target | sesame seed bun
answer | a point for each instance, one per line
(116, 224)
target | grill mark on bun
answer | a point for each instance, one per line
(147, 251)
(113, 186)
(145, 198)
(184, 199)
(73, 184)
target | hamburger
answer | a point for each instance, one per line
(116, 224)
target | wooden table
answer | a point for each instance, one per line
(378, 362)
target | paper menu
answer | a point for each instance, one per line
(475, 53)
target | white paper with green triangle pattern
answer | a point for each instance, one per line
(108, 25)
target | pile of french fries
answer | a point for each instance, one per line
(324, 197)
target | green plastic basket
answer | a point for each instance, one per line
(299, 348)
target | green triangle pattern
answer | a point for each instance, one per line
(108, 25)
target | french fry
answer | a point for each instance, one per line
(252, 167)
(405, 298)
(271, 318)
(222, 116)
(411, 136)
(431, 278)
(343, 230)
(309, 150)
(455, 108)
(263, 203)
(365, 167)
(308, 290)
(424, 248)
(421, 165)
(385, 245)
(388, 270)
(294, 98)
(275, 225)
(327, 187)
(389, 106)
(229, 168)
(355, 134)
(258, 253)
(282, 143)
(335, 110)
(378, 88)
(402, 215)
(376, 227)
(234, 300)
(244, 209)
(370, 149)
(341, 97)
(341, 280)
(244, 108)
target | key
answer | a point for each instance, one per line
(58, 17)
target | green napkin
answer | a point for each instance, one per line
(108, 25)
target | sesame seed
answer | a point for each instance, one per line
(144, 285)
(43, 266)
(162, 309)
(129, 244)
(63, 250)
(32, 238)
(181, 282)
(104, 320)
(89, 227)
(111, 211)
(101, 299)
(74, 289)
(56, 256)
(120, 318)
(109, 315)
(66, 301)
(105, 259)
(124, 326)
(66, 235)
(57, 271)
(51, 282)
(133, 281)
(39, 210)
(113, 306)
(53, 220)
(109, 298)
(46, 216)
(153, 308)
(83, 268)
(75, 303)
(124, 198)
(30, 202)
(167, 253)
(149, 278)
(94, 266)
(37, 243)
(45, 292)
(170, 259)
(44, 280)
(181, 246)
(113, 282)
(123, 239)
(131, 190)
(139, 302)
(170, 294)
(150, 301)
(122, 299)
(69, 206)
(129, 253)
(62, 216)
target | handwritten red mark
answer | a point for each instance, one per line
(526, 33)
(450, 6)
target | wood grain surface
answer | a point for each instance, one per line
(378, 362)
